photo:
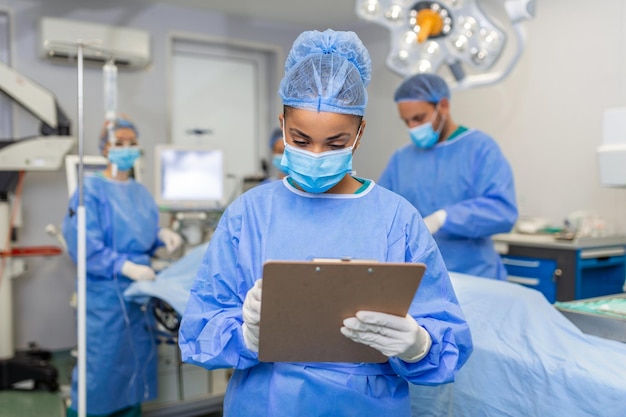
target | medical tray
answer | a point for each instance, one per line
(600, 316)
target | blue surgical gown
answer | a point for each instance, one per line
(121, 224)
(469, 178)
(275, 221)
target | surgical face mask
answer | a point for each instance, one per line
(124, 157)
(317, 172)
(424, 136)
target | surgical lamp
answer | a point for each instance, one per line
(427, 36)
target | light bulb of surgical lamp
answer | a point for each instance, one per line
(435, 7)
(430, 49)
(394, 14)
(460, 43)
(422, 66)
(370, 9)
(468, 25)
(479, 56)
(401, 58)
(410, 38)
(490, 38)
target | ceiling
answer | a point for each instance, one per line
(312, 13)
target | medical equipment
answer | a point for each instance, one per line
(601, 316)
(190, 184)
(189, 178)
(427, 36)
(44, 153)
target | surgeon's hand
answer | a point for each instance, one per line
(171, 239)
(391, 335)
(137, 272)
(252, 316)
(435, 221)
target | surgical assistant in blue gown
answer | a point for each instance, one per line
(461, 172)
(121, 225)
(277, 221)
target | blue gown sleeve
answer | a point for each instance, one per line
(436, 308)
(211, 334)
(494, 209)
(102, 261)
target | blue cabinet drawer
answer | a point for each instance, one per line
(534, 273)
(601, 272)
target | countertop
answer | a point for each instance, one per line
(549, 241)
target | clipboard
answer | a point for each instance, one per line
(304, 304)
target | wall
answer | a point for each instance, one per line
(546, 116)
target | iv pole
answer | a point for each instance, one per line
(82, 259)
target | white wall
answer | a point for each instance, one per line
(546, 116)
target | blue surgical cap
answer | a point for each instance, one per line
(327, 72)
(119, 123)
(277, 134)
(423, 87)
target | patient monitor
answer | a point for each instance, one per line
(189, 178)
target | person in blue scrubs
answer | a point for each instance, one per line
(320, 210)
(122, 232)
(456, 177)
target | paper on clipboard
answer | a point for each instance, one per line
(304, 304)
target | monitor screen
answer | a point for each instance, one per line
(91, 165)
(189, 177)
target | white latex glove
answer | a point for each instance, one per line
(137, 272)
(171, 239)
(435, 221)
(252, 316)
(391, 335)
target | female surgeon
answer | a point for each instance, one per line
(122, 231)
(320, 210)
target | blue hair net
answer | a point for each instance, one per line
(327, 72)
(423, 87)
(277, 134)
(117, 124)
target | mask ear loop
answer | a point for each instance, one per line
(443, 120)
(358, 137)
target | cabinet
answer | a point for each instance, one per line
(565, 270)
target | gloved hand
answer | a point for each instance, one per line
(137, 272)
(391, 335)
(171, 239)
(252, 316)
(435, 221)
